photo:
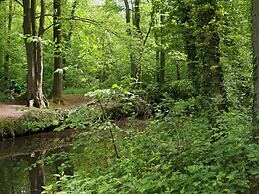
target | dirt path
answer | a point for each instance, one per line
(14, 110)
(11, 111)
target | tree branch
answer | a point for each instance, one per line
(82, 20)
(48, 27)
(19, 2)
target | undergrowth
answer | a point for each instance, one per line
(177, 153)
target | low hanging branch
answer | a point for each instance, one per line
(91, 21)
(19, 2)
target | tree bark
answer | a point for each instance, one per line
(27, 28)
(128, 21)
(136, 69)
(7, 55)
(209, 54)
(34, 52)
(162, 52)
(255, 38)
(57, 35)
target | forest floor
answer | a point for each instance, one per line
(11, 111)
(15, 110)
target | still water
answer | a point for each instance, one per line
(19, 172)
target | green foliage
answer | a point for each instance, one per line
(182, 89)
(35, 120)
(177, 155)
(118, 103)
(2, 97)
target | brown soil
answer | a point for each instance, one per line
(11, 111)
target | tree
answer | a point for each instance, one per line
(57, 35)
(162, 54)
(7, 55)
(255, 38)
(34, 52)
(136, 65)
(202, 20)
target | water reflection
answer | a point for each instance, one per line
(20, 169)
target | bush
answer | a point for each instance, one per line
(2, 97)
(177, 154)
(181, 89)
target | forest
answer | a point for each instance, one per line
(129, 96)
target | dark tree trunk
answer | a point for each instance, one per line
(57, 33)
(37, 173)
(209, 54)
(67, 37)
(203, 51)
(27, 28)
(255, 38)
(136, 69)
(126, 2)
(162, 52)
(128, 21)
(7, 55)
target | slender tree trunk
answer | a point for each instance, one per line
(39, 99)
(7, 55)
(57, 33)
(136, 69)
(27, 28)
(162, 53)
(255, 38)
(67, 37)
(158, 66)
(126, 2)
(128, 21)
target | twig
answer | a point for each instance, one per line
(105, 117)
(19, 2)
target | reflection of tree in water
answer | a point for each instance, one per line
(14, 178)
(18, 156)
(37, 172)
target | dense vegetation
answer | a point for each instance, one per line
(188, 68)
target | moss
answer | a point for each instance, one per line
(33, 121)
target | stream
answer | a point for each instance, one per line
(18, 172)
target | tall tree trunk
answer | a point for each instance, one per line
(128, 21)
(7, 55)
(27, 28)
(126, 2)
(209, 53)
(162, 52)
(255, 38)
(67, 37)
(39, 99)
(136, 69)
(34, 52)
(57, 33)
